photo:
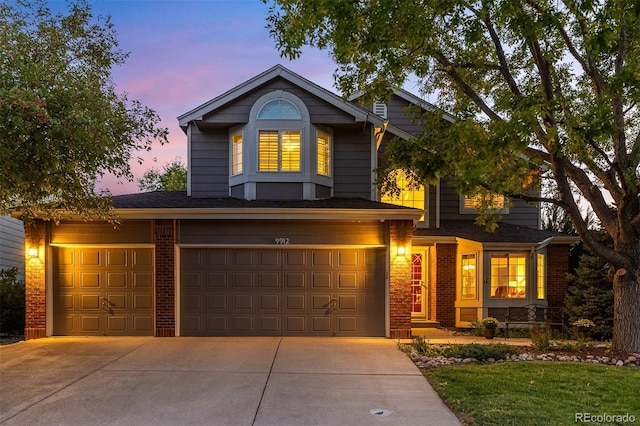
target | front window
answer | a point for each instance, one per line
(236, 154)
(279, 151)
(409, 196)
(279, 109)
(508, 275)
(469, 276)
(541, 276)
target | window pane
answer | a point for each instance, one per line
(268, 151)
(408, 197)
(236, 154)
(541, 276)
(279, 109)
(290, 151)
(469, 276)
(508, 275)
(324, 154)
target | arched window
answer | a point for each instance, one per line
(279, 109)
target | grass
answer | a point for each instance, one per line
(536, 393)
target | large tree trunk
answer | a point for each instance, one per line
(626, 311)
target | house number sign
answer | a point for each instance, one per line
(282, 241)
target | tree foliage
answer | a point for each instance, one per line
(62, 123)
(534, 85)
(12, 302)
(172, 178)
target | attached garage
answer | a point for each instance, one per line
(274, 291)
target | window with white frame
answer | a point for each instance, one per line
(324, 154)
(541, 276)
(236, 154)
(279, 150)
(469, 276)
(471, 203)
(508, 275)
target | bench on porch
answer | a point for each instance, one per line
(534, 314)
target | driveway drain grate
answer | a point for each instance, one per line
(380, 412)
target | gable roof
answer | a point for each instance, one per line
(358, 113)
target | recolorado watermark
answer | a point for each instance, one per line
(604, 418)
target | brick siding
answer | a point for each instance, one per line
(445, 287)
(400, 233)
(557, 268)
(35, 288)
(164, 238)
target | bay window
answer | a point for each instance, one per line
(469, 276)
(236, 154)
(324, 154)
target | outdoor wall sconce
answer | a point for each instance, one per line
(401, 250)
(32, 252)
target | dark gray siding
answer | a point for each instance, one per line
(12, 245)
(520, 213)
(129, 232)
(256, 232)
(320, 111)
(352, 162)
(397, 116)
(209, 162)
(279, 191)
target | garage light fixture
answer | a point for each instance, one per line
(32, 252)
(401, 250)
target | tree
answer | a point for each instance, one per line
(62, 124)
(535, 85)
(12, 302)
(591, 293)
(172, 178)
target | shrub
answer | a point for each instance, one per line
(480, 352)
(12, 299)
(540, 337)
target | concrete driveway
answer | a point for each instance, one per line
(214, 381)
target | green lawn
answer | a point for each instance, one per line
(537, 393)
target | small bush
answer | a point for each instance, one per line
(540, 337)
(12, 299)
(480, 352)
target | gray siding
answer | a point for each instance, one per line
(209, 162)
(256, 232)
(129, 232)
(352, 163)
(397, 116)
(279, 191)
(320, 111)
(12, 245)
(520, 213)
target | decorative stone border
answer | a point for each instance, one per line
(422, 361)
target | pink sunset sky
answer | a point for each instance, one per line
(186, 52)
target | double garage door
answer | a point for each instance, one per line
(102, 291)
(282, 291)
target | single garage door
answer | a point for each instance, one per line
(306, 292)
(103, 291)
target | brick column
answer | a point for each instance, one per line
(400, 235)
(164, 236)
(445, 287)
(557, 269)
(35, 282)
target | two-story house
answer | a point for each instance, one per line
(282, 232)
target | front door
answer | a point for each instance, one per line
(419, 287)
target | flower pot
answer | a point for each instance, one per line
(489, 334)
